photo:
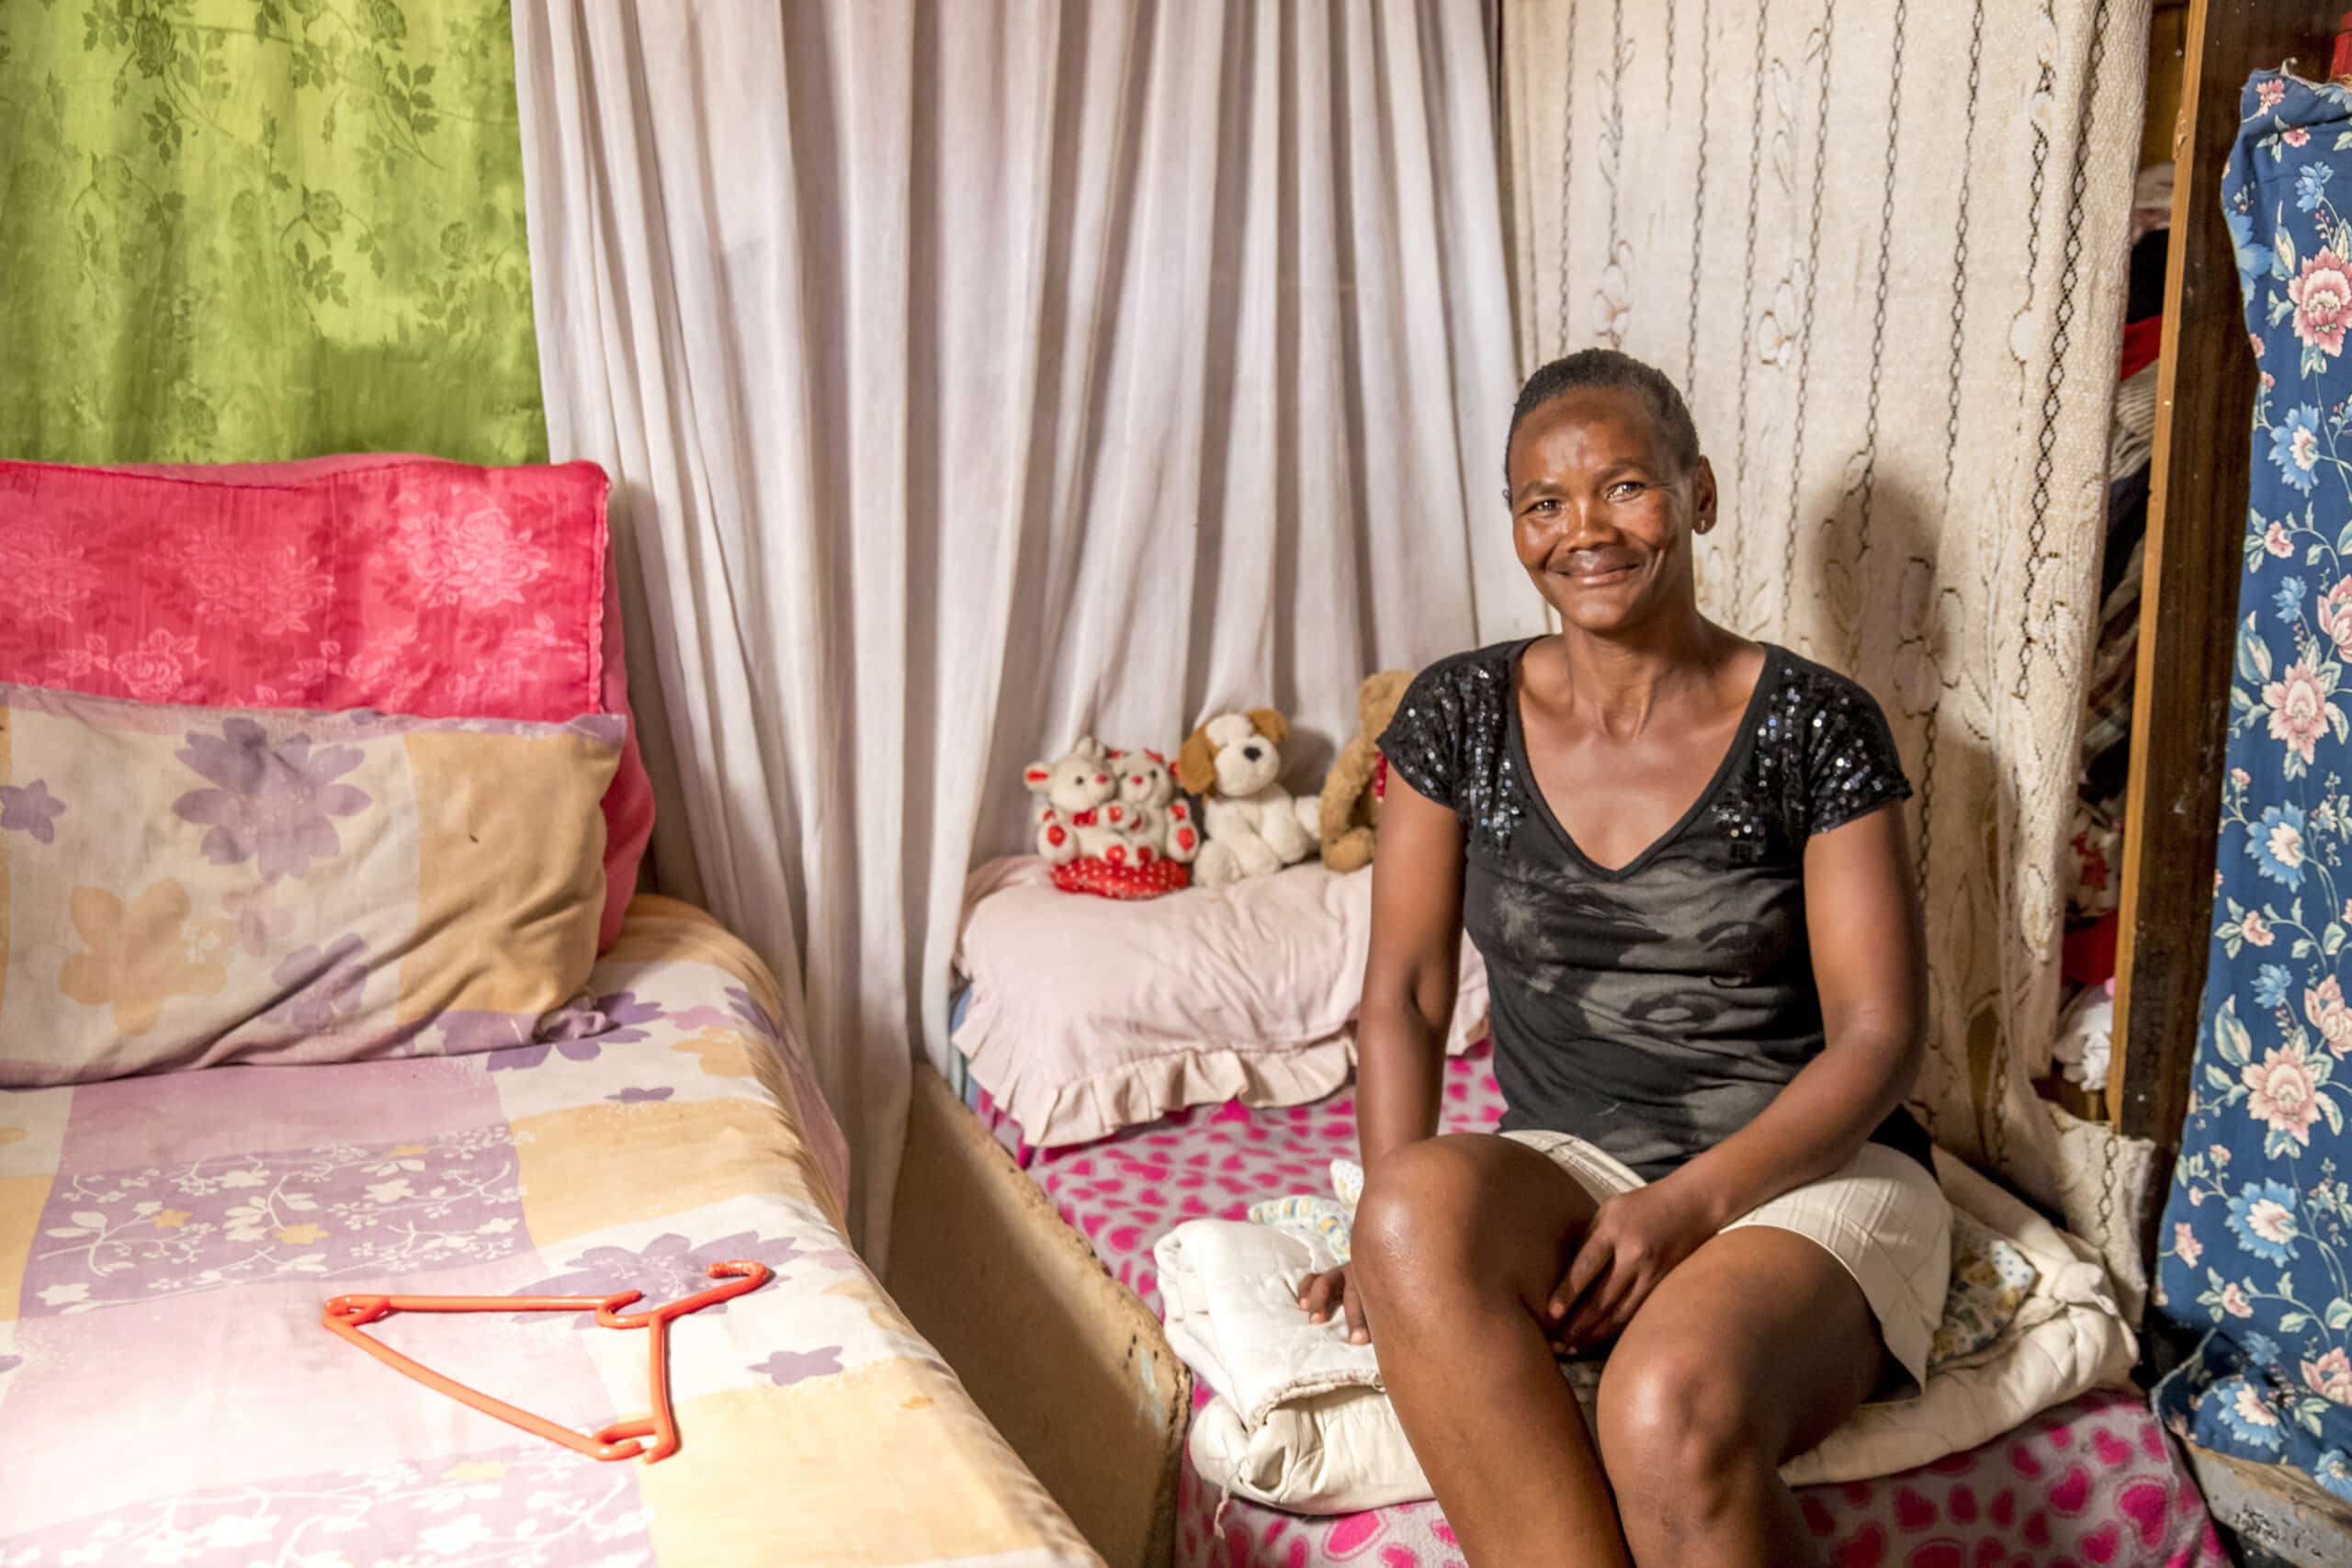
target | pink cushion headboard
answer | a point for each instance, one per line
(405, 584)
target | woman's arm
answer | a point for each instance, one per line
(1411, 973)
(1408, 983)
(1869, 965)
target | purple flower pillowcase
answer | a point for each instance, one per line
(181, 885)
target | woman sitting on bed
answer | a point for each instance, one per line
(1679, 852)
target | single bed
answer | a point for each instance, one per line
(2093, 1480)
(167, 1243)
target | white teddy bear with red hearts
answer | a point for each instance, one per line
(1111, 823)
(1157, 820)
(1083, 815)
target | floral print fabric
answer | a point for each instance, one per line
(166, 1242)
(403, 584)
(2257, 1234)
(253, 230)
(180, 886)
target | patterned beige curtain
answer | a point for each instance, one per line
(1883, 246)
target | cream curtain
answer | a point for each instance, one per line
(1883, 246)
(979, 373)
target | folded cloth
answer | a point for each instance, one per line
(1991, 1278)
(1299, 1419)
(1326, 1217)
(1332, 1218)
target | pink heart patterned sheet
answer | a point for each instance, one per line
(2090, 1484)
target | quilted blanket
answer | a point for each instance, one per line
(167, 1243)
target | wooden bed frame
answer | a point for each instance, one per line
(1068, 1363)
(2188, 592)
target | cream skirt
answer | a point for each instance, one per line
(1883, 1215)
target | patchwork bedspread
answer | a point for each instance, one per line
(166, 1245)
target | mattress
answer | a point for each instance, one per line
(2094, 1480)
(168, 1245)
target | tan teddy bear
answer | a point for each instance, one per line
(1352, 791)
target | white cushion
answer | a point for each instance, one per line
(1086, 1015)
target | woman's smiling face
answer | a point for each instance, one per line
(1601, 511)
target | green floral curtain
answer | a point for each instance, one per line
(252, 229)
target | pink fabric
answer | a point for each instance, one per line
(2091, 1482)
(408, 584)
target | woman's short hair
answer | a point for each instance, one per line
(1607, 368)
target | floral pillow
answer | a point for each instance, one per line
(405, 584)
(181, 886)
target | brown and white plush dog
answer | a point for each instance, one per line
(1255, 827)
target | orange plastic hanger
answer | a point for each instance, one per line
(620, 1440)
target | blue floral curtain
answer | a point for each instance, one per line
(2258, 1230)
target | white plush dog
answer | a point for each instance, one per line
(1255, 827)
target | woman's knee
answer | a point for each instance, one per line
(1418, 1206)
(1675, 1422)
(1460, 1221)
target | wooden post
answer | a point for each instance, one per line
(2196, 502)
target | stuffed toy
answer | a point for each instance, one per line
(1076, 819)
(1156, 818)
(1359, 780)
(1254, 826)
(1101, 840)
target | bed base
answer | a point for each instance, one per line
(1067, 1362)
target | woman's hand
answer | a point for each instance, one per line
(1334, 1291)
(1635, 1240)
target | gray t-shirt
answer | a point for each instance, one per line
(1657, 1009)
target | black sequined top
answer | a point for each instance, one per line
(1656, 1009)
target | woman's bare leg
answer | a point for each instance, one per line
(1751, 1351)
(1458, 1241)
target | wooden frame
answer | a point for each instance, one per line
(1063, 1360)
(2189, 594)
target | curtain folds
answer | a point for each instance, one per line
(974, 376)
